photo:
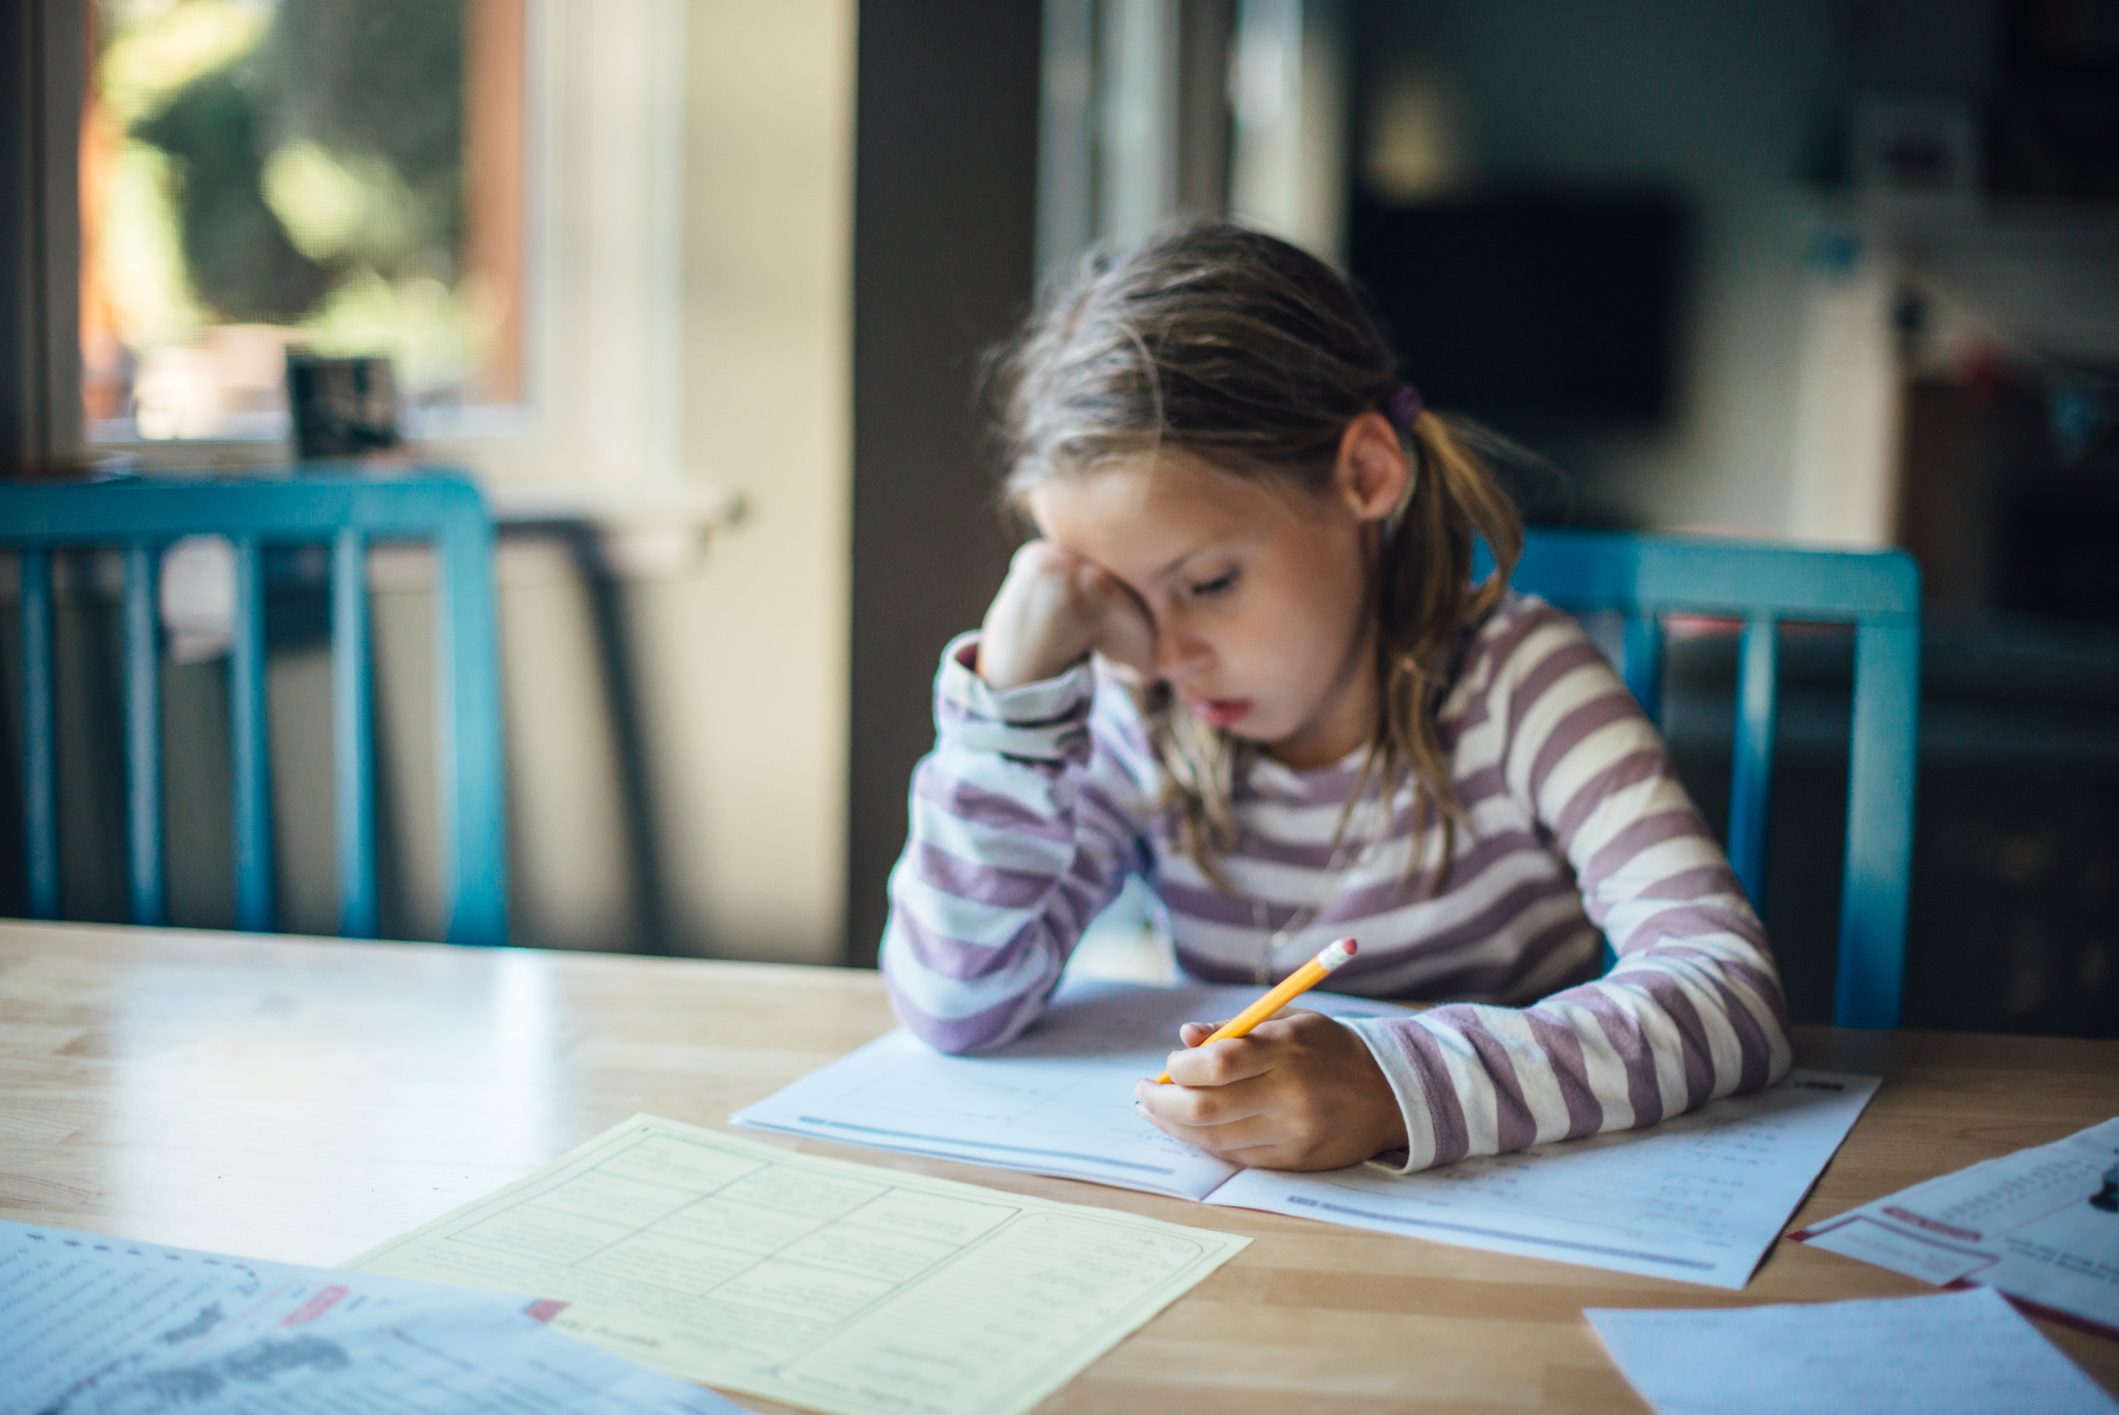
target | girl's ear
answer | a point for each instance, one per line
(1372, 475)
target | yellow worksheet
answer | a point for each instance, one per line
(838, 1286)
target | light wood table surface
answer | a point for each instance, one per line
(304, 1099)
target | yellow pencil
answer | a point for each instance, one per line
(1294, 985)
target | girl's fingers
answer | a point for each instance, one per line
(1221, 1063)
(1222, 1136)
(1202, 1111)
(1205, 1105)
(1193, 1034)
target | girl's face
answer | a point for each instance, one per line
(1260, 599)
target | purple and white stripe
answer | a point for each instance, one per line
(1037, 803)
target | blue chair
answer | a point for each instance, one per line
(347, 512)
(1645, 577)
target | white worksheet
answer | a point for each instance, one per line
(1058, 1100)
(2040, 1224)
(839, 1287)
(99, 1324)
(1963, 1354)
(1699, 1198)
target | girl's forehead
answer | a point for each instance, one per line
(1150, 508)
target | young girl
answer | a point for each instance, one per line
(1245, 659)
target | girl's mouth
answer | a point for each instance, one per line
(1223, 713)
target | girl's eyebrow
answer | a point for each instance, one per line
(1201, 549)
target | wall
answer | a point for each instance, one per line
(677, 751)
(750, 673)
(1717, 101)
(944, 250)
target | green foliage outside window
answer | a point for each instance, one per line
(296, 164)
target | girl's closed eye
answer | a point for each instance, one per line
(1221, 584)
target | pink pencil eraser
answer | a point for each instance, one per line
(1336, 953)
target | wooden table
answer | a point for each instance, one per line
(303, 1099)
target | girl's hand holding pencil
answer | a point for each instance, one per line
(1294, 1091)
(1294, 985)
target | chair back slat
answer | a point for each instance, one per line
(349, 512)
(1641, 662)
(1751, 766)
(1765, 585)
(143, 736)
(1879, 821)
(40, 749)
(353, 776)
(249, 742)
(467, 647)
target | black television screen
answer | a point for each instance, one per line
(1531, 309)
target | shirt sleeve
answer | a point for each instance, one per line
(1026, 819)
(1691, 1011)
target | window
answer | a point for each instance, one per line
(258, 175)
(486, 191)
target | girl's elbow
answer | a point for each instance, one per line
(954, 1036)
(956, 1033)
(1779, 1063)
(1780, 1047)
(959, 1010)
(1765, 1052)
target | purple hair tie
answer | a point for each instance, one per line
(1404, 406)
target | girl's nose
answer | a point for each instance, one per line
(1178, 655)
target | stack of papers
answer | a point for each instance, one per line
(98, 1324)
(1699, 1198)
(2041, 1225)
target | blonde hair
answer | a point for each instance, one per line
(1252, 356)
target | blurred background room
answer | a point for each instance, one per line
(698, 290)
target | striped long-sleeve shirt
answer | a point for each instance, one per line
(1037, 803)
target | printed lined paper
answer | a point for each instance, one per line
(841, 1287)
